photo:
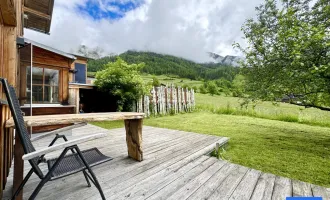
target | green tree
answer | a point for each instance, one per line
(238, 86)
(202, 89)
(212, 88)
(123, 81)
(155, 81)
(288, 52)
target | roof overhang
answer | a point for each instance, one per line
(37, 15)
(51, 49)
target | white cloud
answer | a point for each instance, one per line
(186, 28)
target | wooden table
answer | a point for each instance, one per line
(133, 125)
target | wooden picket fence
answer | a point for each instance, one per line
(165, 100)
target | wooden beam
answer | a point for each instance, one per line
(37, 13)
(46, 120)
(8, 12)
(134, 138)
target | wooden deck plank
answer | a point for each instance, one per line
(191, 186)
(264, 187)
(227, 187)
(174, 167)
(211, 185)
(245, 188)
(144, 188)
(301, 189)
(319, 191)
(124, 174)
(282, 188)
(176, 184)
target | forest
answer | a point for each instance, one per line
(160, 64)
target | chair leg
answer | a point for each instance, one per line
(48, 175)
(22, 184)
(98, 186)
(85, 175)
(38, 188)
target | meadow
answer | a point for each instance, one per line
(282, 139)
(172, 80)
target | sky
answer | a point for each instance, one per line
(184, 28)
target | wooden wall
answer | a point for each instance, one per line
(47, 59)
(10, 28)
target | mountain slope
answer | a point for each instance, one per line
(227, 60)
(160, 64)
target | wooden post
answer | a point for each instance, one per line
(18, 166)
(134, 138)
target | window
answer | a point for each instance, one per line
(80, 75)
(44, 85)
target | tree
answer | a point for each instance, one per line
(212, 88)
(155, 81)
(288, 52)
(123, 81)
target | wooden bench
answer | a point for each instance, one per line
(133, 125)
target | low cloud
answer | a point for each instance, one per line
(185, 28)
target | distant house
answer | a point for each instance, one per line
(57, 77)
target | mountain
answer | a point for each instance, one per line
(227, 60)
(161, 64)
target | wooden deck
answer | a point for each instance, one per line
(175, 166)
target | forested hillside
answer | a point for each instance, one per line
(159, 64)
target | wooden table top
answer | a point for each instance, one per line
(44, 120)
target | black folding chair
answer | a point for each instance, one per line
(64, 165)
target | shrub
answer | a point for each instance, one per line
(122, 81)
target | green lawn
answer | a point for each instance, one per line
(282, 111)
(172, 80)
(288, 149)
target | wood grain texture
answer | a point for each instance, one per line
(264, 187)
(134, 138)
(8, 12)
(45, 120)
(301, 189)
(246, 187)
(282, 188)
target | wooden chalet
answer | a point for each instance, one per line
(14, 15)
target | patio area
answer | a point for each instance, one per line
(175, 166)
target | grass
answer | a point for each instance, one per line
(292, 150)
(272, 138)
(267, 110)
(172, 80)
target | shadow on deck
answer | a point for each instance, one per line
(175, 166)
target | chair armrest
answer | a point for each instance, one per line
(57, 131)
(62, 146)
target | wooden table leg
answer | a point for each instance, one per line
(134, 138)
(18, 166)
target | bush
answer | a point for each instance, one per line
(155, 81)
(212, 88)
(123, 81)
(202, 89)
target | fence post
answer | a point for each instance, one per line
(193, 99)
(154, 101)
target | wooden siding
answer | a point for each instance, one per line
(46, 59)
(10, 28)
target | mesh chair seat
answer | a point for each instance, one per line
(72, 163)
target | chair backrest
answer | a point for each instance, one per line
(20, 127)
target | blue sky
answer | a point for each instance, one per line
(103, 9)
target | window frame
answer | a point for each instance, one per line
(43, 84)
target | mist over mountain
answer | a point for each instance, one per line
(226, 60)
